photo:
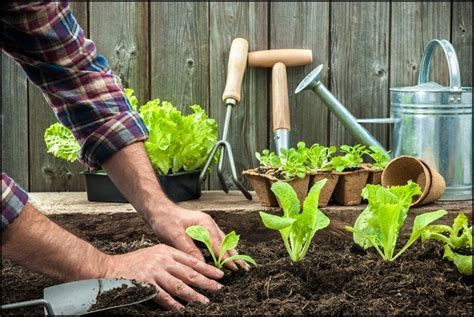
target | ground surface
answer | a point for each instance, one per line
(334, 278)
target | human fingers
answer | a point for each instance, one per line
(178, 288)
(165, 300)
(199, 266)
(193, 278)
(233, 252)
(186, 245)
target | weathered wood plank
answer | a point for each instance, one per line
(249, 123)
(179, 47)
(303, 25)
(120, 31)
(414, 24)
(462, 39)
(14, 121)
(46, 172)
(359, 65)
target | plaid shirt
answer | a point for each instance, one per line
(45, 39)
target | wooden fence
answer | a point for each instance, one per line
(178, 51)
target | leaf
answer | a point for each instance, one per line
(200, 233)
(61, 142)
(246, 258)
(276, 222)
(287, 197)
(231, 240)
(462, 262)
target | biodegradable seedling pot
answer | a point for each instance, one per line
(404, 168)
(375, 176)
(349, 187)
(328, 189)
(300, 185)
(178, 187)
(262, 186)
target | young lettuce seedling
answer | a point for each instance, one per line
(230, 242)
(457, 237)
(293, 161)
(318, 157)
(379, 224)
(380, 157)
(297, 228)
(268, 159)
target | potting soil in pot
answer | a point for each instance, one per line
(334, 278)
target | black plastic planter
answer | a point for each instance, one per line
(178, 187)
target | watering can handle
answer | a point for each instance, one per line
(451, 58)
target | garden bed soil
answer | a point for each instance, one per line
(335, 277)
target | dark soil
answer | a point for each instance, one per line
(271, 172)
(336, 277)
(124, 294)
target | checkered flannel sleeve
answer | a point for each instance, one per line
(14, 198)
(45, 39)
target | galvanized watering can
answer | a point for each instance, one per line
(431, 121)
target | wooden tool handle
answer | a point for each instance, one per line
(280, 106)
(236, 69)
(289, 57)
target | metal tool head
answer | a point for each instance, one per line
(282, 139)
(310, 81)
(76, 298)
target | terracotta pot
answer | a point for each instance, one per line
(300, 185)
(328, 189)
(262, 186)
(375, 176)
(349, 187)
(404, 168)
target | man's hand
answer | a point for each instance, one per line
(170, 270)
(131, 171)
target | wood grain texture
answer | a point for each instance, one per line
(462, 39)
(414, 24)
(120, 31)
(14, 121)
(303, 25)
(179, 45)
(249, 128)
(48, 173)
(360, 65)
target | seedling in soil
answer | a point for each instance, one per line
(380, 157)
(457, 242)
(231, 240)
(297, 228)
(379, 224)
(293, 161)
(318, 157)
(351, 160)
(268, 159)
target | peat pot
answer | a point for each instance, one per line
(178, 187)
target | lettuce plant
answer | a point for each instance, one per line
(380, 157)
(231, 240)
(318, 157)
(352, 158)
(293, 161)
(457, 237)
(297, 227)
(268, 159)
(61, 142)
(379, 224)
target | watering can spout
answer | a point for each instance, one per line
(313, 82)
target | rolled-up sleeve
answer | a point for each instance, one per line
(14, 198)
(45, 39)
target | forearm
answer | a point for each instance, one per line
(37, 243)
(131, 170)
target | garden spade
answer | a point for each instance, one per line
(77, 298)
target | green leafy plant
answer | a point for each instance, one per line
(268, 159)
(380, 157)
(230, 241)
(456, 238)
(318, 157)
(130, 93)
(293, 161)
(61, 142)
(352, 158)
(297, 227)
(379, 224)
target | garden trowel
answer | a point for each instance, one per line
(280, 108)
(77, 298)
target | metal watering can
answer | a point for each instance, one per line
(431, 121)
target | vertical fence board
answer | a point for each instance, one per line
(462, 39)
(249, 126)
(180, 53)
(303, 25)
(359, 59)
(14, 121)
(48, 173)
(414, 24)
(120, 31)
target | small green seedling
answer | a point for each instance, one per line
(318, 157)
(268, 159)
(379, 224)
(457, 237)
(380, 157)
(231, 240)
(293, 161)
(297, 228)
(352, 158)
